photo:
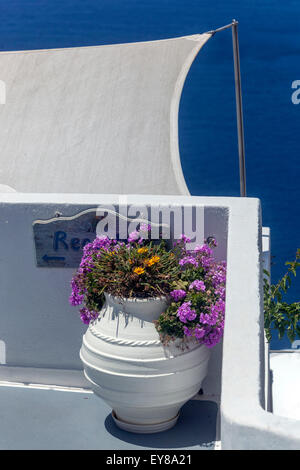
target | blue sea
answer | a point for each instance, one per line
(269, 34)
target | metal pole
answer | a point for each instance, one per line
(239, 108)
(219, 29)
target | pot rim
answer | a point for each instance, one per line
(118, 299)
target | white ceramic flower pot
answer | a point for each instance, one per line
(143, 381)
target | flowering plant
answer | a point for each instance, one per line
(138, 268)
(192, 280)
(198, 300)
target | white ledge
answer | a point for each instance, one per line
(245, 423)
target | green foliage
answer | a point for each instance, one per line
(168, 324)
(279, 315)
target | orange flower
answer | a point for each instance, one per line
(143, 250)
(139, 271)
(151, 261)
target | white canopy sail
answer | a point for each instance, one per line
(100, 119)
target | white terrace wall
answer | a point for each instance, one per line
(39, 329)
(245, 421)
(41, 334)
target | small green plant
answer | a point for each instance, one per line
(278, 315)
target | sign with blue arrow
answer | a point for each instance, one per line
(59, 241)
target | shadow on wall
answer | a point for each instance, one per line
(196, 426)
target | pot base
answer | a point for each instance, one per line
(145, 428)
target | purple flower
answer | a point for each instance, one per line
(213, 337)
(87, 316)
(187, 331)
(189, 260)
(178, 294)
(217, 274)
(133, 236)
(185, 312)
(220, 291)
(76, 299)
(145, 228)
(93, 248)
(206, 262)
(185, 239)
(207, 319)
(203, 250)
(100, 242)
(198, 285)
(199, 332)
(86, 263)
(218, 308)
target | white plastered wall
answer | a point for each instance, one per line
(38, 326)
